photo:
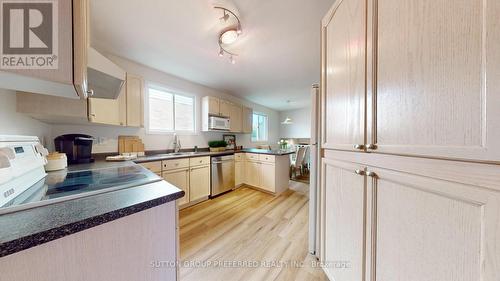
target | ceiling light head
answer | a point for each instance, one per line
(229, 36)
(225, 17)
(287, 121)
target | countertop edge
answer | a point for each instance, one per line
(26, 242)
(153, 158)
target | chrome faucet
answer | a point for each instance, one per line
(177, 144)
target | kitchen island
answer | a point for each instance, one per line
(123, 234)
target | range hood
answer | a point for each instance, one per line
(105, 78)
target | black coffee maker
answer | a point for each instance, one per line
(77, 147)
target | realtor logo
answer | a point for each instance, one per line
(29, 34)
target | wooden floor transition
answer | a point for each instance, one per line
(248, 226)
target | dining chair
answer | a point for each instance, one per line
(297, 165)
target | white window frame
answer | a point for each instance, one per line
(159, 87)
(267, 128)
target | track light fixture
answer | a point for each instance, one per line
(229, 35)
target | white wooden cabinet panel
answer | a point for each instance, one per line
(343, 94)
(433, 92)
(343, 220)
(435, 230)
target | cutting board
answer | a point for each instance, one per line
(128, 144)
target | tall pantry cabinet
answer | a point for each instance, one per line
(410, 176)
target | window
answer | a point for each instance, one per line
(170, 112)
(259, 127)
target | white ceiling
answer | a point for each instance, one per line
(278, 50)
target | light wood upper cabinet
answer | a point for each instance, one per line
(70, 74)
(179, 178)
(247, 120)
(135, 100)
(343, 75)
(240, 117)
(108, 111)
(431, 95)
(225, 108)
(427, 89)
(343, 220)
(213, 105)
(199, 183)
(235, 117)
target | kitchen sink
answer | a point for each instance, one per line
(179, 154)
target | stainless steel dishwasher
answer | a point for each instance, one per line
(222, 174)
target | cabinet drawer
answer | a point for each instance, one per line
(239, 156)
(197, 161)
(175, 164)
(251, 156)
(267, 158)
(154, 167)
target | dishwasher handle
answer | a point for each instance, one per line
(222, 162)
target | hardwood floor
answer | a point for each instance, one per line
(247, 226)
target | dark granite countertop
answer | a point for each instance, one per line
(268, 152)
(31, 227)
(159, 157)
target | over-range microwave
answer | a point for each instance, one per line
(218, 123)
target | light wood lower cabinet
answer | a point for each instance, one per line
(199, 186)
(441, 230)
(192, 175)
(266, 172)
(344, 220)
(179, 178)
(407, 219)
(268, 176)
(253, 173)
(239, 173)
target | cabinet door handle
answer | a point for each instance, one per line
(359, 146)
(372, 146)
(360, 172)
(197, 168)
(90, 93)
(371, 174)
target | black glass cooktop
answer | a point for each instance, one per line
(60, 185)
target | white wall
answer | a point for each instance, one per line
(13, 123)
(301, 127)
(109, 135)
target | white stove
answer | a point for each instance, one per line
(22, 161)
